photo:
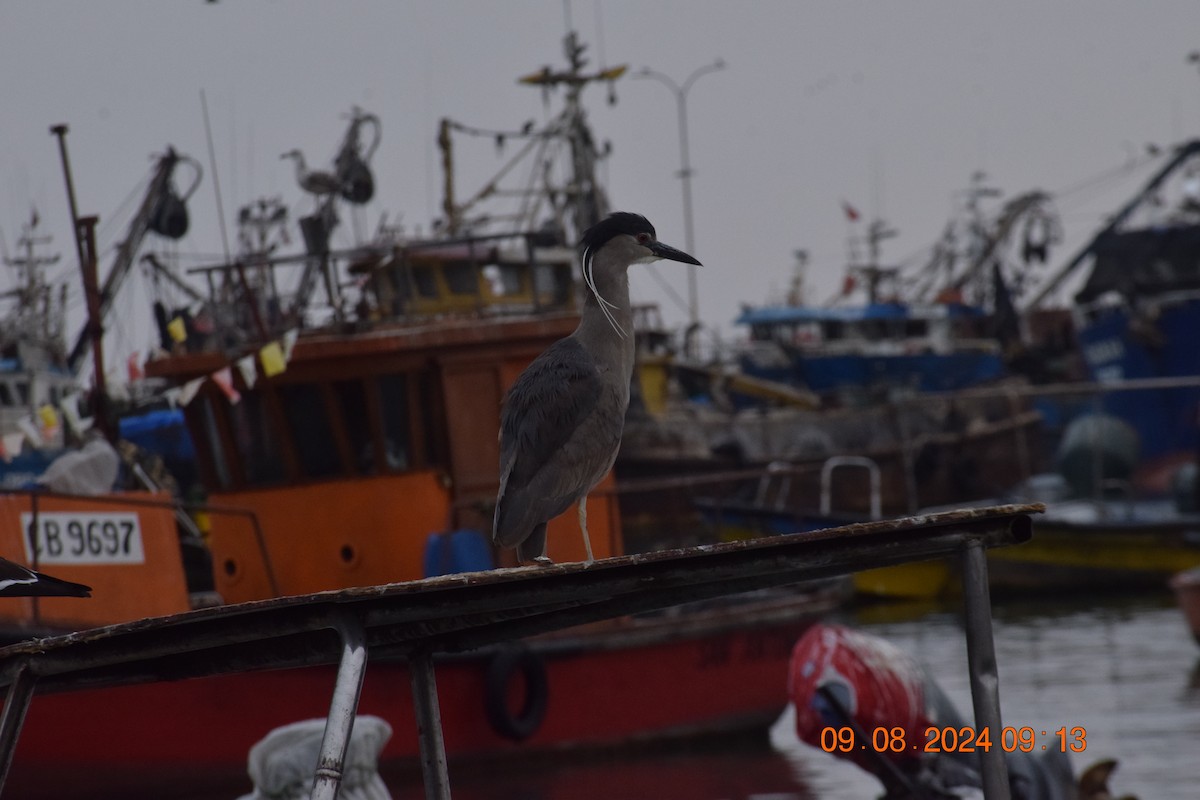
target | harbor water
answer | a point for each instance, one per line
(1126, 671)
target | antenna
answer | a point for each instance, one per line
(212, 162)
(600, 33)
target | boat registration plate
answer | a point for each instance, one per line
(75, 537)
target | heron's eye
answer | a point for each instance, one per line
(643, 238)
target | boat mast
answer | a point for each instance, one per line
(128, 248)
(582, 194)
(37, 316)
(85, 244)
(871, 271)
(586, 195)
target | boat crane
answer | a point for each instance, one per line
(163, 210)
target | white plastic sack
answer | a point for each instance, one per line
(282, 763)
(91, 470)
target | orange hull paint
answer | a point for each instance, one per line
(358, 532)
(328, 535)
(153, 587)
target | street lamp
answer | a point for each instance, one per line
(685, 166)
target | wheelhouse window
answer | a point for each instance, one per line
(210, 438)
(394, 403)
(352, 400)
(394, 290)
(504, 279)
(256, 440)
(461, 278)
(553, 283)
(310, 429)
(425, 281)
(294, 432)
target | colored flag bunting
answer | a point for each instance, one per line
(30, 431)
(12, 444)
(273, 360)
(289, 343)
(177, 330)
(48, 418)
(189, 391)
(248, 370)
(224, 378)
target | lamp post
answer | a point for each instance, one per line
(685, 167)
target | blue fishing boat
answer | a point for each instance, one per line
(1139, 310)
(941, 326)
(937, 347)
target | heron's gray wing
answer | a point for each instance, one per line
(544, 407)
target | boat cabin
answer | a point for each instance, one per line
(880, 346)
(880, 327)
(380, 436)
(471, 276)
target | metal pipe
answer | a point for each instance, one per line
(94, 331)
(16, 704)
(872, 468)
(34, 536)
(340, 724)
(357, 252)
(429, 727)
(450, 613)
(266, 555)
(981, 664)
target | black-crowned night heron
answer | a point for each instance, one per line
(561, 423)
(18, 581)
(313, 181)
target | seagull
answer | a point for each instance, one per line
(560, 427)
(19, 581)
(314, 182)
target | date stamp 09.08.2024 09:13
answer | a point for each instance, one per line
(956, 740)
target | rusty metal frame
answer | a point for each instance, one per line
(453, 613)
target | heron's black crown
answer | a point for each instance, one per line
(615, 224)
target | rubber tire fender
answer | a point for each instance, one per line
(507, 662)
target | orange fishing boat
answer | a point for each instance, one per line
(372, 458)
(355, 444)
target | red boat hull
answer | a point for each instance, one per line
(603, 688)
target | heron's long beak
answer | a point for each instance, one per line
(666, 251)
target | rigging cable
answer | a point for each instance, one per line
(212, 159)
(120, 216)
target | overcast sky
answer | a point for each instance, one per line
(889, 106)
